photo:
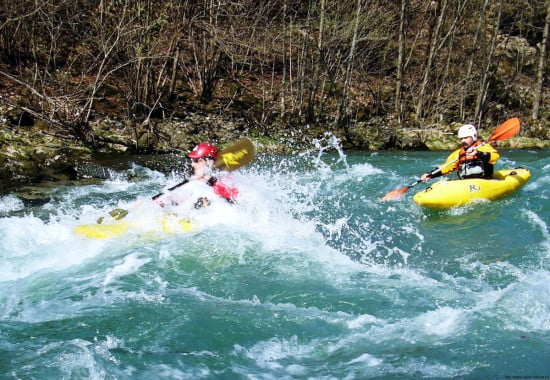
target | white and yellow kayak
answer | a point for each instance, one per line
(455, 193)
(168, 223)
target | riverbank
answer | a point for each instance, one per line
(30, 155)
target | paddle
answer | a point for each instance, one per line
(235, 156)
(508, 129)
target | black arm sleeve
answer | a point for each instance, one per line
(435, 172)
(484, 156)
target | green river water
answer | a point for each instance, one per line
(309, 276)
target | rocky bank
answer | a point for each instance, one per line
(30, 154)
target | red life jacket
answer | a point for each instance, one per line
(224, 190)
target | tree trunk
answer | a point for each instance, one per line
(283, 79)
(430, 60)
(174, 71)
(444, 96)
(316, 70)
(487, 70)
(542, 59)
(468, 77)
(400, 53)
(349, 67)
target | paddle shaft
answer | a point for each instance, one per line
(414, 183)
(172, 188)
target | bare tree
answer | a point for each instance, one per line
(541, 65)
(400, 63)
(315, 81)
(349, 65)
(488, 67)
(473, 56)
(441, 10)
(276, 60)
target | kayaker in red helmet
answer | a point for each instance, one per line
(474, 159)
(203, 157)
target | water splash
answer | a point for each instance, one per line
(325, 144)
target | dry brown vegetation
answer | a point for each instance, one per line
(278, 64)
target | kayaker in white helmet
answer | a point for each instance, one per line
(475, 159)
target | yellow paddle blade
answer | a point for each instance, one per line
(236, 155)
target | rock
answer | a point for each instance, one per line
(393, 143)
(415, 145)
(31, 157)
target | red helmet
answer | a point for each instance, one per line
(204, 150)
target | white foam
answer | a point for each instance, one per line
(130, 264)
(365, 169)
(361, 321)
(10, 203)
(267, 354)
(442, 322)
(29, 245)
(524, 305)
(369, 360)
(539, 223)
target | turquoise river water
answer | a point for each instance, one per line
(309, 276)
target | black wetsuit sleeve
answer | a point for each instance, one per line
(484, 156)
(435, 172)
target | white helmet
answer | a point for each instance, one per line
(467, 130)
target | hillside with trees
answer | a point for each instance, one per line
(157, 76)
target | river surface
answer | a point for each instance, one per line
(309, 276)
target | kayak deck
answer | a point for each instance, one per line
(164, 224)
(455, 193)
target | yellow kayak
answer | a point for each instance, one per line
(165, 224)
(455, 193)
